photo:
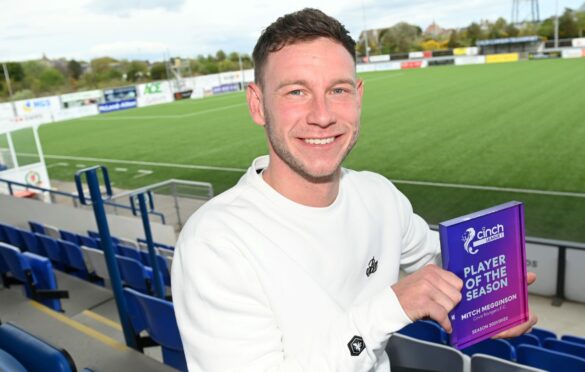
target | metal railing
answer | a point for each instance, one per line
(74, 197)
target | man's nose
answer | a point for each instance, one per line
(320, 112)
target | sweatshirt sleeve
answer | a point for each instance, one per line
(226, 322)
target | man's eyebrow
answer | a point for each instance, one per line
(302, 82)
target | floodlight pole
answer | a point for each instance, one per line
(367, 46)
(556, 24)
(7, 77)
(241, 71)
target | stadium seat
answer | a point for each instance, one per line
(52, 231)
(549, 360)
(69, 236)
(409, 353)
(75, 262)
(96, 235)
(143, 246)
(568, 347)
(137, 320)
(13, 236)
(33, 353)
(88, 241)
(161, 325)
(578, 340)
(36, 227)
(527, 339)
(96, 264)
(498, 348)
(54, 251)
(425, 330)
(129, 252)
(3, 238)
(489, 363)
(36, 273)
(9, 363)
(32, 244)
(163, 265)
(136, 275)
(542, 334)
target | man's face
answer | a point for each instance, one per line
(310, 105)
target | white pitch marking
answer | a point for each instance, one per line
(57, 165)
(383, 77)
(152, 117)
(121, 169)
(143, 172)
(80, 165)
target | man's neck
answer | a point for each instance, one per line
(301, 190)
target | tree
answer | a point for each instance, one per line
(547, 28)
(51, 80)
(580, 16)
(568, 26)
(401, 38)
(497, 30)
(453, 40)
(136, 70)
(102, 64)
(158, 71)
(511, 30)
(474, 33)
(74, 69)
(15, 71)
(220, 55)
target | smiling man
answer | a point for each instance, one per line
(296, 267)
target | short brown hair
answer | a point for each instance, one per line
(305, 25)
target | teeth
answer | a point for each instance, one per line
(319, 141)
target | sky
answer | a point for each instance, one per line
(153, 29)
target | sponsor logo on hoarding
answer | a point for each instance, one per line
(30, 105)
(183, 95)
(152, 88)
(33, 178)
(116, 106)
(501, 58)
(225, 88)
(411, 64)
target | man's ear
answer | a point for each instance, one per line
(360, 92)
(255, 106)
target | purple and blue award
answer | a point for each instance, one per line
(486, 249)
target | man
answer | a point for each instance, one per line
(296, 267)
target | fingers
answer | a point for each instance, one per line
(430, 292)
(519, 329)
(530, 277)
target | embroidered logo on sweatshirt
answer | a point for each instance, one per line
(356, 345)
(372, 267)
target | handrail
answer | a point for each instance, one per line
(75, 197)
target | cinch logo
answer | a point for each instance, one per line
(485, 235)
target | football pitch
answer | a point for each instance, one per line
(454, 139)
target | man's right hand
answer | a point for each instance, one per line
(429, 292)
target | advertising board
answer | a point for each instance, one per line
(579, 42)
(76, 112)
(45, 105)
(117, 106)
(470, 60)
(502, 58)
(380, 58)
(119, 94)
(89, 97)
(412, 64)
(572, 53)
(154, 93)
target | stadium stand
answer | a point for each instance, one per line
(425, 330)
(542, 334)
(549, 360)
(579, 340)
(526, 339)
(567, 347)
(33, 353)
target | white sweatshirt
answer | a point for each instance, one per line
(261, 283)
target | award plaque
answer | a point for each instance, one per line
(486, 249)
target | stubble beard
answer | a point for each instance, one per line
(297, 166)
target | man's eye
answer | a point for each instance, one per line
(338, 90)
(296, 92)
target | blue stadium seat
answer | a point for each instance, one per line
(161, 325)
(33, 353)
(9, 363)
(88, 241)
(69, 236)
(136, 275)
(143, 243)
(542, 334)
(425, 330)
(96, 235)
(567, 347)
(36, 227)
(549, 360)
(129, 252)
(162, 264)
(36, 273)
(527, 339)
(137, 320)
(498, 348)
(54, 251)
(578, 340)
(12, 235)
(32, 244)
(75, 261)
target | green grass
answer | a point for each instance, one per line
(516, 125)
